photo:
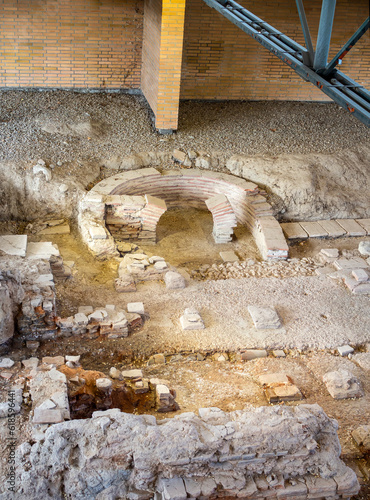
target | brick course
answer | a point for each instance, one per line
(65, 43)
(222, 62)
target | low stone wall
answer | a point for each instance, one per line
(123, 195)
(293, 455)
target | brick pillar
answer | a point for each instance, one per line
(162, 57)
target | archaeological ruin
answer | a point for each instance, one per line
(184, 250)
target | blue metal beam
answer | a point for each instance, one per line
(337, 59)
(306, 32)
(343, 91)
(324, 35)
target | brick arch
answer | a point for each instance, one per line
(140, 195)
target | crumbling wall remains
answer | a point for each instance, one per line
(267, 452)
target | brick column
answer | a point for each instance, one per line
(162, 58)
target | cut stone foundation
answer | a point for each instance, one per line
(128, 206)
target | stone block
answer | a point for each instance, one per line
(229, 256)
(191, 320)
(284, 392)
(264, 317)
(41, 250)
(342, 384)
(179, 156)
(332, 227)
(156, 202)
(361, 275)
(6, 363)
(53, 360)
(132, 374)
(272, 379)
(47, 416)
(354, 263)
(104, 384)
(314, 230)
(86, 310)
(250, 354)
(174, 280)
(135, 307)
(352, 227)
(361, 435)
(172, 489)
(294, 231)
(13, 244)
(279, 353)
(365, 223)
(98, 233)
(30, 363)
(344, 350)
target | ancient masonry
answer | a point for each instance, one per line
(128, 206)
(294, 455)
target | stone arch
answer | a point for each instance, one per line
(139, 197)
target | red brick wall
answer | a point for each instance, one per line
(222, 62)
(70, 43)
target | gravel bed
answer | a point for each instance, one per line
(66, 126)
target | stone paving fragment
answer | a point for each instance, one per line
(344, 350)
(13, 244)
(314, 230)
(264, 317)
(361, 275)
(132, 374)
(41, 250)
(294, 231)
(53, 360)
(229, 256)
(342, 384)
(279, 353)
(364, 248)
(285, 392)
(174, 280)
(332, 227)
(250, 354)
(354, 263)
(191, 320)
(352, 227)
(98, 233)
(365, 223)
(361, 435)
(6, 363)
(30, 363)
(135, 307)
(47, 416)
(115, 373)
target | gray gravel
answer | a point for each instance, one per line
(92, 127)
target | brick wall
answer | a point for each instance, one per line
(70, 43)
(97, 43)
(222, 62)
